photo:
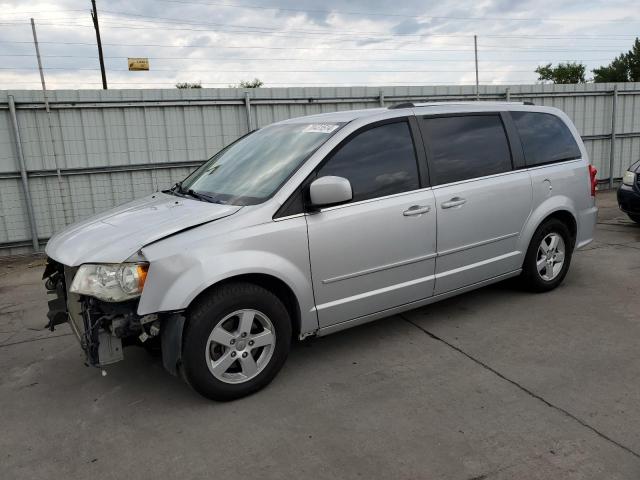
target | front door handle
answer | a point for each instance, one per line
(416, 210)
(454, 202)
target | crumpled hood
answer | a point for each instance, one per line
(115, 235)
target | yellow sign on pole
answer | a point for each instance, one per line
(138, 64)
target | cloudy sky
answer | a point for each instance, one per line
(308, 42)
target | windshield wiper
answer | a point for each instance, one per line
(175, 190)
(180, 192)
(199, 196)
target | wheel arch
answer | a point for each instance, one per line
(566, 217)
(561, 208)
(531, 276)
(176, 324)
(269, 282)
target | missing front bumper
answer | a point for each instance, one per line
(101, 328)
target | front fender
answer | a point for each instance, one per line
(174, 283)
(183, 267)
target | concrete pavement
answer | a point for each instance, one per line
(494, 384)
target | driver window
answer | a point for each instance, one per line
(378, 162)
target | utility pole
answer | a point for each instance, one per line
(475, 49)
(44, 86)
(48, 110)
(94, 17)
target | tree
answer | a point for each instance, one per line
(255, 83)
(188, 85)
(624, 68)
(570, 72)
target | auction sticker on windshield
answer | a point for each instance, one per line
(320, 128)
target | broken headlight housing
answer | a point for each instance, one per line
(110, 282)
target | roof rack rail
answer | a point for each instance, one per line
(401, 105)
(528, 103)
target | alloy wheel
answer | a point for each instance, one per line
(240, 346)
(550, 257)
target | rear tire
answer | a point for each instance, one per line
(236, 340)
(635, 218)
(548, 256)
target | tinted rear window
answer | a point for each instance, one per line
(464, 147)
(545, 138)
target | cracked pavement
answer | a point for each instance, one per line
(494, 384)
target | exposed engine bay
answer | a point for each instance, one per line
(104, 328)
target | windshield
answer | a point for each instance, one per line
(250, 170)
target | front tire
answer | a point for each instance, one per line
(236, 340)
(548, 256)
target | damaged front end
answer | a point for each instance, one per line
(104, 328)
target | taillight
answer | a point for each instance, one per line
(592, 179)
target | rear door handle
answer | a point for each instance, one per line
(454, 202)
(416, 210)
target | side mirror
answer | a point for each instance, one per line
(330, 191)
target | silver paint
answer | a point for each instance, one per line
(350, 263)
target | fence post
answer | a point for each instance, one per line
(475, 50)
(23, 175)
(247, 104)
(507, 94)
(381, 98)
(612, 151)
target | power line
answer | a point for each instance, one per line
(351, 60)
(363, 13)
(139, 27)
(495, 48)
(277, 34)
(173, 20)
(22, 24)
(388, 14)
(413, 82)
(276, 71)
(30, 42)
(488, 48)
(541, 48)
(315, 60)
(492, 47)
(243, 59)
(377, 34)
(277, 31)
(46, 11)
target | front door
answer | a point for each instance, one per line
(377, 251)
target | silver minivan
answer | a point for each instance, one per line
(316, 224)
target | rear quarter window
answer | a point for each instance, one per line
(545, 138)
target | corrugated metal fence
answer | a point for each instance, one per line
(95, 149)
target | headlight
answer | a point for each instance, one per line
(629, 178)
(110, 282)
